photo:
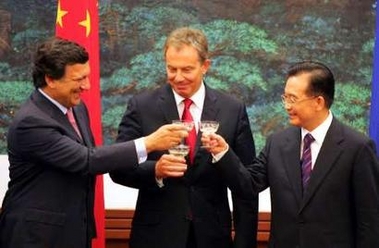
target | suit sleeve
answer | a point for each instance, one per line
(129, 129)
(366, 193)
(245, 210)
(41, 139)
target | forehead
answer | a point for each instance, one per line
(183, 53)
(298, 84)
(77, 70)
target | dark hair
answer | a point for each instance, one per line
(321, 82)
(52, 56)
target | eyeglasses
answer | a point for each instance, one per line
(291, 100)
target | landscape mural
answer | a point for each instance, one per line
(252, 43)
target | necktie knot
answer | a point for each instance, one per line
(187, 103)
(308, 139)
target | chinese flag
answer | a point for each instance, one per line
(78, 21)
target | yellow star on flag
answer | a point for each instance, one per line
(86, 23)
(60, 14)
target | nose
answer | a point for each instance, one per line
(178, 77)
(85, 84)
(287, 105)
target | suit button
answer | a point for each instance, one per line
(189, 216)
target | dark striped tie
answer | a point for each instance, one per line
(306, 164)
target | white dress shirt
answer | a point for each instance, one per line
(318, 134)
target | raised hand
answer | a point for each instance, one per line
(165, 137)
(214, 143)
(170, 166)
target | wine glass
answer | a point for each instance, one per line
(180, 150)
(208, 127)
(189, 125)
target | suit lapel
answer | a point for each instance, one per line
(55, 113)
(210, 107)
(210, 111)
(329, 152)
(291, 155)
(167, 104)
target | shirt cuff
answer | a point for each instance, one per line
(159, 182)
(218, 156)
(141, 149)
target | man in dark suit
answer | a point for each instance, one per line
(186, 209)
(53, 164)
(337, 205)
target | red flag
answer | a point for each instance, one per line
(79, 21)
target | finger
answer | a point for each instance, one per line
(175, 174)
(179, 168)
(176, 127)
(174, 159)
(213, 136)
(172, 171)
(174, 165)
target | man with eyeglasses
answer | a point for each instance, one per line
(325, 189)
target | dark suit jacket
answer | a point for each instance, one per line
(340, 207)
(162, 216)
(49, 202)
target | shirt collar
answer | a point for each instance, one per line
(60, 106)
(319, 132)
(197, 98)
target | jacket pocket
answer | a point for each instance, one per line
(43, 227)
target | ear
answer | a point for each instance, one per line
(50, 82)
(206, 65)
(320, 101)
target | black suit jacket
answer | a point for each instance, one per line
(340, 207)
(163, 215)
(50, 198)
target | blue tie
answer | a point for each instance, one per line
(306, 164)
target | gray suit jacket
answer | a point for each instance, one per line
(340, 207)
(163, 215)
(50, 198)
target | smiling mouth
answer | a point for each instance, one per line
(77, 93)
(182, 86)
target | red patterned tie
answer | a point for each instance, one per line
(191, 139)
(71, 119)
(306, 164)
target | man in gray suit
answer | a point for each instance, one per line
(333, 199)
(53, 164)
